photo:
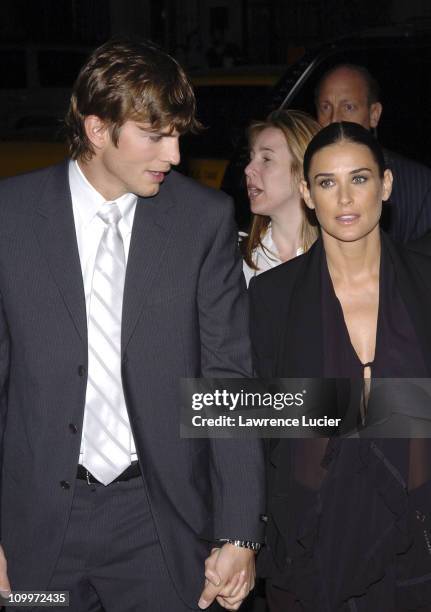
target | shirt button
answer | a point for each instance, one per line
(81, 370)
(64, 484)
(73, 428)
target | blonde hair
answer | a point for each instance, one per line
(298, 129)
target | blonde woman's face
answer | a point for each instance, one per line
(270, 184)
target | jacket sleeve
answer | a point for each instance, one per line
(4, 376)
(236, 466)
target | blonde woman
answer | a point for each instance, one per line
(281, 227)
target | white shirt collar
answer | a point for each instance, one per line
(88, 201)
(265, 256)
(270, 251)
(269, 243)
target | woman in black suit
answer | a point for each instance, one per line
(348, 519)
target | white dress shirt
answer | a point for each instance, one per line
(86, 203)
(265, 257)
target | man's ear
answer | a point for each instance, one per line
(375, 113)
(96, 130)
(305, 194)
(387, 185)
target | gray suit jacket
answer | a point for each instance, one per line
(184, 315)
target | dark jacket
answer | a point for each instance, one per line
(287, 339)
(422, 245)
(407, 214)
(184, 315)
(286, 317)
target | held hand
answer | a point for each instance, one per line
(4, 580)
(230, 576)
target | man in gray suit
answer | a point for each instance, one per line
(118, 277)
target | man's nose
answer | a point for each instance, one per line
(172, 151)
(336, 115)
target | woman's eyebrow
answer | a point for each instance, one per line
(326, 174)
(360, 170)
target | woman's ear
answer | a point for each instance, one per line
(387, 184)
(305, 194)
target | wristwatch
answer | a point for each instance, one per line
(255, 546)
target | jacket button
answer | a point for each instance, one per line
(73, 428)
(64, 484)
(81, 370)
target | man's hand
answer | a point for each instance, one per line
(230, 575)
(4, 580)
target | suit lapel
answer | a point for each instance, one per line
(301, 345)
(55, 230)
(152, 227)
(54, 227)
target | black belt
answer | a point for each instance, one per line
(133, 471)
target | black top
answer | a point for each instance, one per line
(397, 352)
(347, 519)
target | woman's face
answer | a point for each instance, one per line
(346, 190)
(270, 184)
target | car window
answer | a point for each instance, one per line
(13, 69)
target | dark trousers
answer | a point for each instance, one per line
(111, 559)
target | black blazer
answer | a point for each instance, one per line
(423, 245)
(287, 341)
(286, 315)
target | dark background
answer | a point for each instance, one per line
(204, 32)
(43, 44)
